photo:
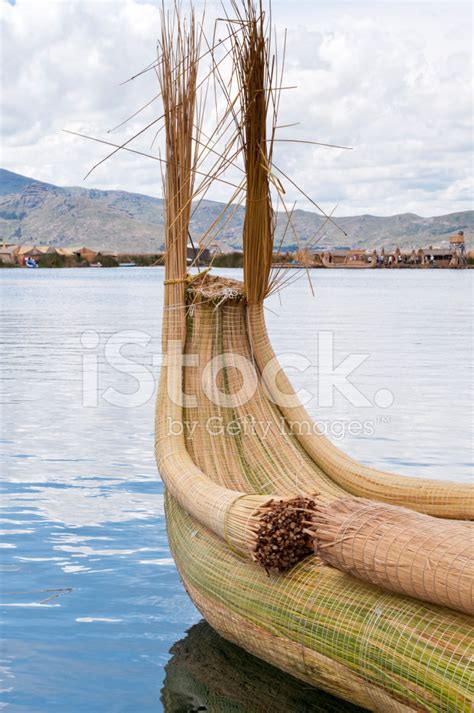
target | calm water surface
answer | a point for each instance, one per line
(91, 602)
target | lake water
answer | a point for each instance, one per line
(91, 602)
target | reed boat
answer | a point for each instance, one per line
(355, 581)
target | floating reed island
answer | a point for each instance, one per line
(353, 580)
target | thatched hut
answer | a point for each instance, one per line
(9, 254)
(82, 252)
(31, 251)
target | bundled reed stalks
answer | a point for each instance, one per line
(253, 74)
(284, 536)
(399, 550)
(277, 534)
(177, 71)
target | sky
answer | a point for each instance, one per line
(392, 80)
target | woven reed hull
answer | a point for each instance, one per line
(382, 651)
(378, 650)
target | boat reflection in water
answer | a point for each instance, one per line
(208, 673)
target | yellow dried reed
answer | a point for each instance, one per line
(177, 72)
(251, 67)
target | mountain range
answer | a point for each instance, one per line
(34, 212)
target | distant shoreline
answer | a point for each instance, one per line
(378, 268)
(453, 256)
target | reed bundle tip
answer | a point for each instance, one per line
(285, 533)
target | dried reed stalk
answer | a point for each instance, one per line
(177, 72)
(399, 550)
(251, 66)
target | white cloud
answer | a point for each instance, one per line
(392, 79)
